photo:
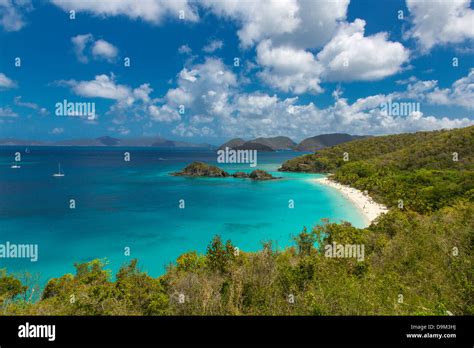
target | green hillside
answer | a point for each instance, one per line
(406, 151)
(421, 171)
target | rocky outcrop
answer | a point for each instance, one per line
(259, 174)
(241, 175)
(200, 169)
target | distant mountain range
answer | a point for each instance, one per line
(260, 144)
(284, 143)
(107, 141)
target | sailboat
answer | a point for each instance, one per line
(58, 174)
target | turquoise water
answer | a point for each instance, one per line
(135, 204)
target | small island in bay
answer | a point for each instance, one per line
(201, 169)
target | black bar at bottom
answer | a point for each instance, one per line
(454, 331)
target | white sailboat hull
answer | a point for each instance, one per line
(59, 173)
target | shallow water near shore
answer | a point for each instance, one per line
(136, 205)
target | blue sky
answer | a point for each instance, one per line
(306, 67)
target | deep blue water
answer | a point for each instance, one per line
(135, 204)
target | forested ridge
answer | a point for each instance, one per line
(425, 170)
(418, 257)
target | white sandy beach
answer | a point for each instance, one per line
(365, 203)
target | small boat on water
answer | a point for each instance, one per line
(59, 173)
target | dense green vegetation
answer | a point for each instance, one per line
(418, 257)
(425, 170)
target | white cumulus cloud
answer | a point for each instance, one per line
(350, 55)
(12, 14)
(103, 86)
(104, 49)
(152, 11)
(79, 44)
(317, 23)
(163, 113)
(461, 93)
(260, 114)
(205, 88)
(6, 82)
(258, 19)
(289, 69)
(185, 49)
(213, 46)
(437, 22)
(85, 45)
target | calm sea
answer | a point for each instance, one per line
(135, 205)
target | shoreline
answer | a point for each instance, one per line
(369, 208)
